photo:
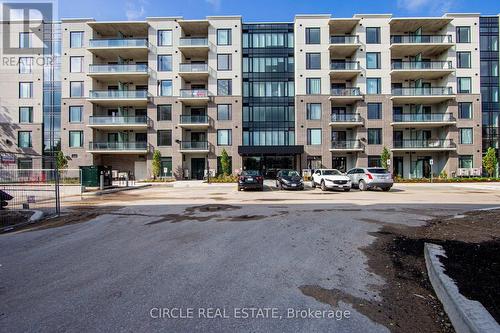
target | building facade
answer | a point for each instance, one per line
(318, 92)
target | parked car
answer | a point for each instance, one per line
(251, 179)
(289, 180)
(367, 178)
(331, 179)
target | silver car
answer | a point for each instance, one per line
(367, 178)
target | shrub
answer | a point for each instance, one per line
(156, 164)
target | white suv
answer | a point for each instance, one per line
(367, 178)
(331, 179)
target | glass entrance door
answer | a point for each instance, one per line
(339, 163)
(197, 168)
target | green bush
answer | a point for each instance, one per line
(224, 179)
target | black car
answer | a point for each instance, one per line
(289, 180)
(251, 180)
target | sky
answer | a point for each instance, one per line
(267, 10)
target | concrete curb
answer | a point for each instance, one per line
(467, 316)
(37, 216)
(114, 190)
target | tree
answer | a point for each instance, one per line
(384, 157)
(61, 160)
(225, 163)
(156, 163)
(490, 161)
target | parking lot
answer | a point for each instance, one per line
(109, 262)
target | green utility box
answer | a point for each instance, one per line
(91, 175)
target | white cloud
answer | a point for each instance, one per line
(216, 4)
(432, 7)
(135, 12)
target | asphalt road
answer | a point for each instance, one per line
(163, 248)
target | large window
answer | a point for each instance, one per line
(25, 163)
(374, 162)
(464, 85)
(25, 65)
(25, 89)
(373, 86)
(374, 110)
(164, 112)
(164, 37)
(166, 88)
(373, 60)
(224, 111)
(75, 139)
(223, 36)
(26, 114)
(314, 136)
(465, 161)
(75, 114)
(224, 137)
(313, 35)
(224, 87)
(76, 64)
(165, 63)
(373, 35)
(463, 60)
(374, 136)
(76, 39)
(463, 34)
(313, 60)
(466, 136)
(313, 111)
(164, 137)
(261, 40)
(268, 89)
(268, 65)
(313, 86)
(465, 110)
(24, 139)
(224, 62)
(76, 89)
(25, 39)
(269, 113)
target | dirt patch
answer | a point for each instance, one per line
(211, 208)
(13, 217)
(175, 218)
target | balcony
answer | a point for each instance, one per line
(118, 147)
(422, 95)
(195, 122)
(194, 96)
(427, 45)
(111, 123)
(345, 95)
(193, 71)
(194, 147)
(119, 97)
(346, 120)
(128, 48)
(194, 46)
(347, 145)
(119, 72)
(413, 70)
(343, 46)
(344, 70)
(423, 119)
(424, 145)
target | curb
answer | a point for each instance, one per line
(37, 216)
(467, 316)
(114, 190)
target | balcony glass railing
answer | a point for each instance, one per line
(187, 119)
(121, 68)
(193, 41)
(193, 93)
(421, 65)
(118, 146)
(118, 94)
(429, 143)
(344, 65)
(420, 39)
(424, 91)
(193, 68)
(344, 39)
(194, 145)
(423, 118)
(118, 120)
(346, 144)
(345, 118)
(119, 42)
(346, 92)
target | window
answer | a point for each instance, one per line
(463, 60)
(268, 65)
(224, 87)
(25, 163)
(25, 65)
(313, 111)
(465, 161)
(373, 60)
(25, 114)
(164, 37)
(463, 34)
(164, 112)
(75, 139)
(373, 35)
(465, 110)
(224, 137)
(76, 64)
(313, 86)
(374, 136)
(24, 139)
(313, 60)
(76, 89)
(464, 85)
(164, 63)
(75, 114)
(164, 137)
(224, 111)
(373, 85)
(374, 110)
(224, 62)
(314, 136)
(76, 39)
(313, 35)
(25, 40)
(25, 89)
(374, 162)
(223, 36)
(465, 136)
(166, 88)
